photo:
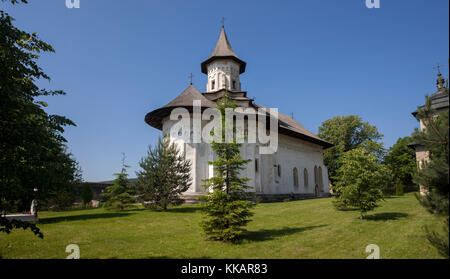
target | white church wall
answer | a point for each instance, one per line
(199, 154)
(291, 153)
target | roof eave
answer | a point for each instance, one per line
(323, 143)
(205, 63)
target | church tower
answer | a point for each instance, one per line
(223, 67)
(275, 176)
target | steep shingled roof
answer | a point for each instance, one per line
(185, 99)
(286, 124)
(223, 50)
(291, 127)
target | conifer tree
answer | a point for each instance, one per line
(433, 174)
(118, 196)
(165, 175)
(226, 205)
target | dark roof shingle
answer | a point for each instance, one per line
(223, 50)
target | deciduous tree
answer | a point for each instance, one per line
(401, 160)
(347, 133)
(32, 147)
(358, 180)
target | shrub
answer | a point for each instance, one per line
(399, 188)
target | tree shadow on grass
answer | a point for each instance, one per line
(52, 220)
(263, 235)
(386, 216)
(184, 209)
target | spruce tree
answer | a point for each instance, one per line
(226, 204)
(119, 196)
(433, 174)
(165, 175)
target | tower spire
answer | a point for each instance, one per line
(223, 67)
(223, 50)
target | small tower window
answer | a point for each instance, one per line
(213, 84)
(279, 170)
(234, 84)
(256, 165)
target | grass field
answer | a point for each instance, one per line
(299, 229)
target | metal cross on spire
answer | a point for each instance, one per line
(438, 67)
(223, 21)
(190, 78)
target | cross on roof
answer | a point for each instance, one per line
(223, 21)
(190, 77)
(438, 67)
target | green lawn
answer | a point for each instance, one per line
(300, 229)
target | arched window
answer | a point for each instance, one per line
(295, 174)
(320, 180)
(279, 170)
(316, 180)
(316, 176)
(305, 177)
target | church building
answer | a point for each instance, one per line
(296, 170)
(439, 102)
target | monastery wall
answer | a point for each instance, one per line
(262, 169)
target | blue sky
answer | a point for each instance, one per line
(118, 60)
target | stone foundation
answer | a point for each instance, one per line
(291, 197)
(192, 198)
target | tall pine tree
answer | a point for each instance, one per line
(226, 205)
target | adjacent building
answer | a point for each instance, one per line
(439, 102)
